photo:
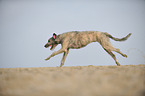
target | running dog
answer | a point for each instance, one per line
(76, 40)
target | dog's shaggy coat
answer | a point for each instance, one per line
(76, 40)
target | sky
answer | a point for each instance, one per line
(26, 26)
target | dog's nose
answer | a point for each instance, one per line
(46, 45)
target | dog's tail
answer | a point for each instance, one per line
(117, 39)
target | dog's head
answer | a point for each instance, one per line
(51, 42)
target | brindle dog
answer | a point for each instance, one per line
(76, 40)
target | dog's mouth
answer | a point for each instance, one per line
(52, 46)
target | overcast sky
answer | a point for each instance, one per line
(26, 25)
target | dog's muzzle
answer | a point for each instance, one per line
(46, 45)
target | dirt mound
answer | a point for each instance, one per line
(127, 80)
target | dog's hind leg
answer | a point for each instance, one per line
(118, 51)
(113, 56)
(105, 43)
(55, 53)
(64, 57)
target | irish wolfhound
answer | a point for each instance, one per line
(76, 40)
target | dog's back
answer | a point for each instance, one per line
(76, 39)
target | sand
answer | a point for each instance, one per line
(126, 80)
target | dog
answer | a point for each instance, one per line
(76, 40)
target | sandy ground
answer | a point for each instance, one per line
(127, 80)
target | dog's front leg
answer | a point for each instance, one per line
(55, 53)
(64, 57)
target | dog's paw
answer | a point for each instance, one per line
(47, 59)
(125, 55)
(117, 63)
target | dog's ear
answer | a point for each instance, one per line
(54, 35)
